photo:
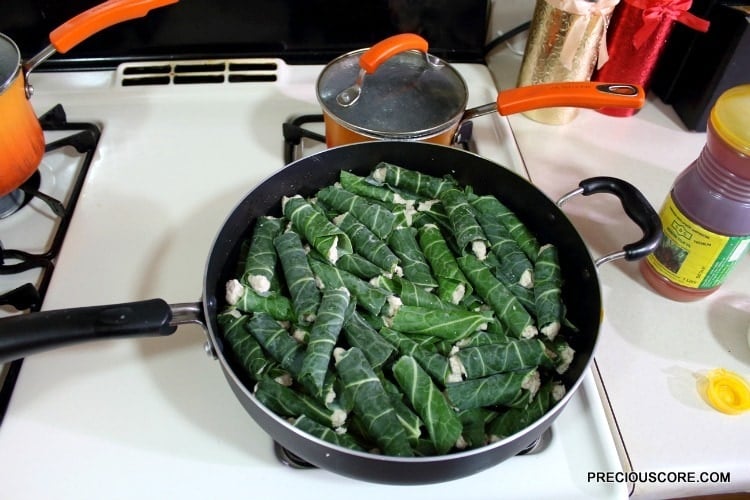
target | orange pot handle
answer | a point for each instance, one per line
(385, 49)
(97, 18)
(594, 95)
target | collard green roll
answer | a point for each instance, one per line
(321, 233)
(435, 364)
(510, 389)
(452, 283)
(244, 347)
(290, 403)
(448, 324)
(369, 189)
(360, 334)
(277, 342)
(376, 217)
(366, 243)
(547, 291)
(369, 297)
(260, 261)
(298, 276)
(443, 426)
(403, 242)
(323, 336)
(371, 402)
(488, 359)
(512, 261)
(358, 266)
(468, 233)
(513, 420)
(247, 300)
(492, 207)
(506, 306)
(413, 295)
(423, 185)
(323, 432)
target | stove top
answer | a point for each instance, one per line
(155, 417)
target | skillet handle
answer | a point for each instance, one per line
(30, 333)
(636, 206)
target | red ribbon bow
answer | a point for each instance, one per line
(656, 12)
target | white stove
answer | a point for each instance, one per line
(155, 418)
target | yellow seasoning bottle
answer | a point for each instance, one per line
(706, 217)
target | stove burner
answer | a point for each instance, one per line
(83, 137)
(12, 203)
(293, 461)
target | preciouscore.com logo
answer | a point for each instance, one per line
(659, 477)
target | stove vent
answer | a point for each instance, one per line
(193, 72)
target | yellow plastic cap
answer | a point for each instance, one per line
(730, 118)
(727, 391)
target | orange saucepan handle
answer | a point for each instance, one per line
(594, 95)
(97, 18)
(389, 47)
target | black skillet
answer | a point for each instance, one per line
(23, 335)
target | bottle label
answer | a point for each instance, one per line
(690, 255)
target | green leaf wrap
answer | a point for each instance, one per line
(547, 291)
(360, 334)
(277, 342)
(518, 231)
(310, 426)
(369, 297)
(441, 421)
(243, 345)
(311, 224)
(298, 276)
(358, 266)
(289, 403)
(260, 261)
(403, 242)
(414, 295)
(508, 309)
(377, 218)
(367, 188)
(371, 403)
(513, 420)
(410, 421)
(366, 243)
(513, 262)
(433, 363)
(246, 300)
(488, 359)
(474, 421)
(323, 336)
(468, 233)
(447, 324)
(452, 283)
(420, 184)
(501, 389)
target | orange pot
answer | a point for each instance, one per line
(396, 90)
(21, 137)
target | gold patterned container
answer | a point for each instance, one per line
(566, 39)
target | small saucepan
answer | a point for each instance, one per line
(396, 90)
(21, 137)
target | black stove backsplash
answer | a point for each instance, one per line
(299, 31)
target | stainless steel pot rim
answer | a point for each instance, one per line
(10, 62)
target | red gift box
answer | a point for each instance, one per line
(636, 37)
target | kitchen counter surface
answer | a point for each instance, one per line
(653, 353)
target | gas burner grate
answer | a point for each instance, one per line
(84, 138)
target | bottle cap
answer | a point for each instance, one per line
(727, 392)
(730, 118)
